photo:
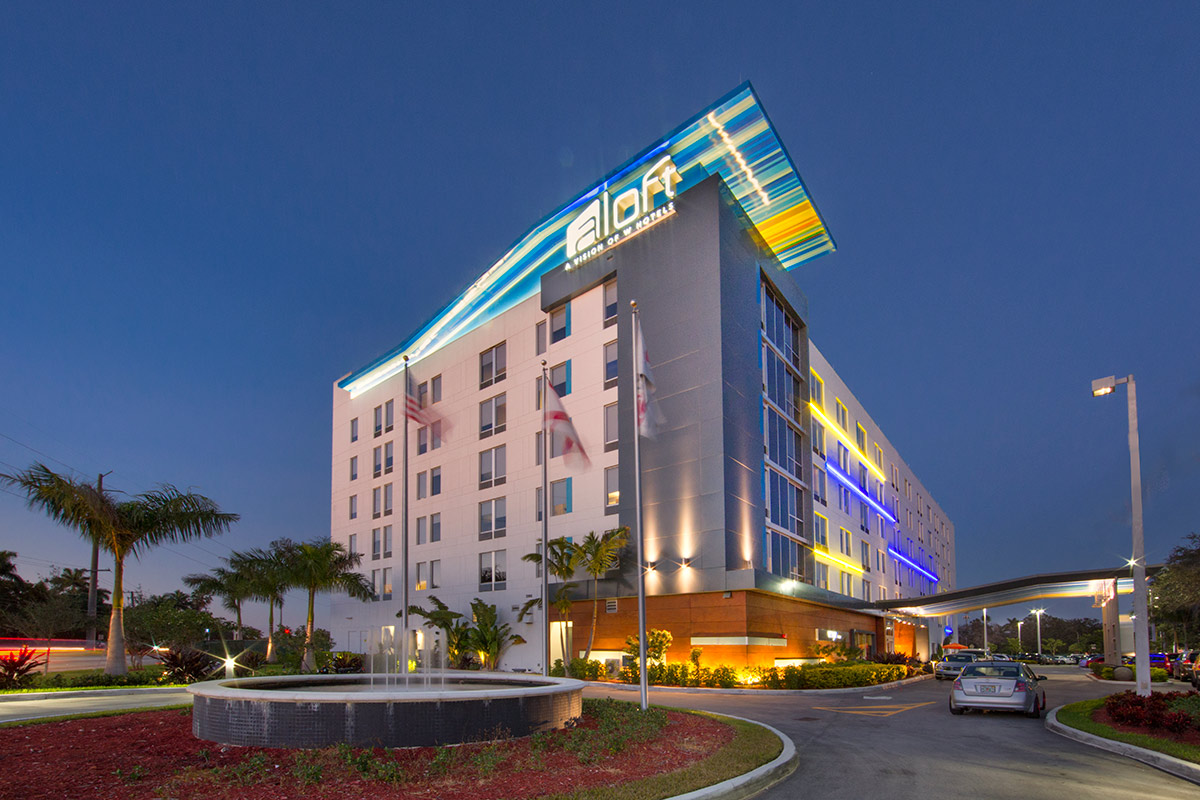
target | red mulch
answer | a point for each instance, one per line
(158, 757)
(1190, 736)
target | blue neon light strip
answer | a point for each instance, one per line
(854, 487)
(900, 556)
(732, 138)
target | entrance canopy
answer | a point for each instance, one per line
(1085, 583)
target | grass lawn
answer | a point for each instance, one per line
(1079, 716)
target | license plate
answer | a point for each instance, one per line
(988, 688)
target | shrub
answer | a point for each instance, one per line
(1177, 722)
(16, 669)
(676, 675)
(585, 670)
(346, 662)
(723, 676)
(186, 666)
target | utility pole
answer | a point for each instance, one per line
(94, 584)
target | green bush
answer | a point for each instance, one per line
(585, 670)
(723, 676)
(1106, 673)
(558, 670)
(676, 675)
(820, 676)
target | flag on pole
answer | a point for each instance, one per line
(649, 418)
(413, 409)
(558, 422)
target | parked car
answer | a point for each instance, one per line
(1182, 667)
(951, 665)
(1094, 658)
(999, 686)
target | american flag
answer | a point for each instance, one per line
(559, 422)
(412, 406)
(649, 417)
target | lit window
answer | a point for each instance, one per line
(612, 487)
(387, 583)
(422, 580)
(493, 366)
(492, 570)
(560, 497)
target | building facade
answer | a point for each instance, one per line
(774, 510)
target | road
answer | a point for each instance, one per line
(904, 744)
(898, 743)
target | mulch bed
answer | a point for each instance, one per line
(153, 754)
(1190, 736)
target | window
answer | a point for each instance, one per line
(843, 416)
(780, 327)
(782, 383)
(353, 506)
(422, 439)
(864, 517)
(560, 378)
(423, 394)
(537, 503)
(492, 519)
(845, 542)
(387, 541)
(378, 420)
(422, 577)
(816, 389)
(539, 337)
(435, 389)
(860, 436)
(865, 555)
(847, 584)
(879, 456)
(435, 573)
(843, 458)
(785, 447)
(353, 543)
(389, 456)
(435, 481)
(612, 487)
(537, 450)
(610, 303)
(376, 503)
(376, 544)
(843, 498)
(387, 499)
(492, 366)
(422, 530)
(422, 485)
(610, 365)
(818, 438)
(821, 576)
(492, 572)
(863, 481)
(387, 583)
(377, 459)
(866, 590)
(560, 323)
(354, 468)
(820, 530)
(493, 416)
(354, 429)
(560, 497)
(492, 467)
(818, 484)
(610, 427)
(435, 435)
(784, 502)
(389, 415)
(435, 527)
(374, 584)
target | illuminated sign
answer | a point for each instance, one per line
(608, 220)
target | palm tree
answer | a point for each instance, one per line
(324, 566)
(128, 527)
(596, 556)
(562, 562)
(267, 570)
(233, 584)
(490, 637)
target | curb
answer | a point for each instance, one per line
(756, 780)
(1175, 766)
(760, 692)
(9, 698)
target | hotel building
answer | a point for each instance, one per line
(775, 512)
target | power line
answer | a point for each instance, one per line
(39, 452)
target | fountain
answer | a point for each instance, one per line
(385, 708)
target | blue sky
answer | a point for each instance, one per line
(210, 213)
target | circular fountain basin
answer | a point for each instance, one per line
(312, 711)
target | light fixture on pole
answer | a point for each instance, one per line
(1020, 644)
(1141, 613)
(985, 642)
(1038, 612)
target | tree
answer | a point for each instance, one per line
(490, 637)
(45, 619)
(596, 556)
(267, 570)
(15, 591)
(234, 584)
(323, 566)
(457, 633)
(168, 620)
(657, 644)
(122, 527)
(562, 562)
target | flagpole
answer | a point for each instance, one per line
(404, 529)
(637, 505)
(546, 535)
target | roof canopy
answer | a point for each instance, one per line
(732, 138)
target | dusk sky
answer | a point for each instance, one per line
(210, 212)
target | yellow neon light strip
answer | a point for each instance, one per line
(851, 446)
(832, 559)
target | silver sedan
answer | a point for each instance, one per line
(1000, 686)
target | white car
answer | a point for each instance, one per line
(998, 686)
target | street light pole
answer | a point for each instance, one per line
(985, 643)
(1141, 611)
(1020, 644)
(1039, 612)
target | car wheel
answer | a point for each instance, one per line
(955, 710)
